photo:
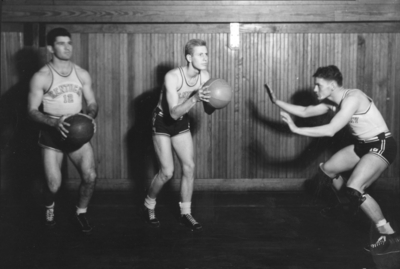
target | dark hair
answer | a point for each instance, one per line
(330, 72)
(193, 43)
(54, 33)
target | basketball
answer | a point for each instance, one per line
(80, 131)
(220, 91)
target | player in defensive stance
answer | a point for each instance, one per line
(373, 152)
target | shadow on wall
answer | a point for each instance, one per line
(20, 154)
(263, 160)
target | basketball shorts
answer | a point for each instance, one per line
(51, 138)
(382, 145)
(165, 125)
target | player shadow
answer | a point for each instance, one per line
(142, 160)
(316, 148)
(20, 154)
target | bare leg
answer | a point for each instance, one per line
(83, 159)
(366, 172)
(52, 161)
(162, 146)
(183, 145)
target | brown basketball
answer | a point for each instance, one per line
(220, 91)
(80, 131)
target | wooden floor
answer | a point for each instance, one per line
(241, 230)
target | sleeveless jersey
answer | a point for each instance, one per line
(64, 95)
(367, 124)
(184, 92)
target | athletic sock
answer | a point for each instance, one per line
(185, 207)
(149, 202)
(384, 227)
(50, 206)
(81, 210)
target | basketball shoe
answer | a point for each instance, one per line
(387, 243)
(83, 223)
(149, 216)
(50, 221)
(190, 222)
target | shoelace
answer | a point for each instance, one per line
(49, 214)
(152, 214)
(191, 219)
(82, 220)
(380, 242)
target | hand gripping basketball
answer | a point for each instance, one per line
(220, 92)
(80, 130)
(93, 121)
(270, 94)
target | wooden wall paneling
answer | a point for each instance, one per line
(368, 76)
(258, 103)
(246, 84)
(232, 69)
(239, 96)
(124, 103)
(11, 43)
(199, 11)
(286, 60)
(396, 100)
(393, 96)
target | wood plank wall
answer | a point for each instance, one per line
(244, 146)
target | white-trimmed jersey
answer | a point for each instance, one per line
(368, 123)
(184, 92)
(64, 95)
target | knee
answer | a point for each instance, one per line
(166, 174)
(355, 197)
(327, 170)
(89, 177)
(188, 168)
(54, 186)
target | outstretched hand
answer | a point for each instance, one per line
(288, 119)
(270, 94)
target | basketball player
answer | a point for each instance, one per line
(181, 91)
(59, 86)
(373, 152)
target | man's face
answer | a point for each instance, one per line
(199, 59)
(323, 88)
(62, 48)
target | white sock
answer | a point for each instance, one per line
(81, 210)
(50, 206)
(185, 208)
(150, 203)
(381, 223)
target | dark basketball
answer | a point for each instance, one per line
(80, 131)
(220, 91)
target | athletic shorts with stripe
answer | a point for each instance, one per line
(383, 146)
(165, 125)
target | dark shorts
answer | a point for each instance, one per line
(51, 138)
(383, 146)
(165, 125)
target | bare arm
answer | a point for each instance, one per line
(88, 93)
(35, 97)
(341, 119)
(300, 111)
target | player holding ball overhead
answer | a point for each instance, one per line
(182, 90)
(60, 86)
(374, 150)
